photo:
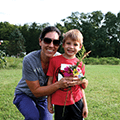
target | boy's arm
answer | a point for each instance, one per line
(84, 83)
(50, 106)
(85, 108)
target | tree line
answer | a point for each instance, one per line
(101, 34)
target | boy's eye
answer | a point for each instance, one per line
(75, 44)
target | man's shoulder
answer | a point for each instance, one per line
(33, 54)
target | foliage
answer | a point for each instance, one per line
(3, 62)
(102, 61)
(4, 46)
(81, 53)
(14, 63)
(16, 43)
(102, 93)
(5, 30)
(101, 32)
(31, 34)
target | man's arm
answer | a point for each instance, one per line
(40, 91)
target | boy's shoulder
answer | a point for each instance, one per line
(56, 57)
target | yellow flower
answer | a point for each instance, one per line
(75, 72)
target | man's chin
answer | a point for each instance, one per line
(50, 55)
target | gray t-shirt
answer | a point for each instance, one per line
(32, 71)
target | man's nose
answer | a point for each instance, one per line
(51, 44)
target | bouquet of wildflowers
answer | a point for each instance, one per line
(73, 70)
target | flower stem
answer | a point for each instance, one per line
(65, 102)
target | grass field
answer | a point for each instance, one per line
(102, 93)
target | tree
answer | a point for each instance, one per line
(96, 18)
(101, 33)
(16, 43)
(5, 30)
(111, 31)
(117, 45)
(73, 21)
(32, 41)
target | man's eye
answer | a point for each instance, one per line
(68, 43)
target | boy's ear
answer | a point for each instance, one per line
(80, 46)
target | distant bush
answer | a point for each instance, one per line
(3, 61)
(13, 62)
(102, 61)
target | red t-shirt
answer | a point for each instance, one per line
(58, 97)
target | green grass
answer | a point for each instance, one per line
(102, 93)
(8, 81)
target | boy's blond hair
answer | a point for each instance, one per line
(73, 34)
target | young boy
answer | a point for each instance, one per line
(75, 102)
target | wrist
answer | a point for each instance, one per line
(58, 85)
(85, 107)
(82, 86)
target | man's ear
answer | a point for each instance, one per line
(40, 41)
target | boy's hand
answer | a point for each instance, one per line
(85, 112)
(50, 108)
(84, 82)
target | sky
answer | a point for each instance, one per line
(20, 12)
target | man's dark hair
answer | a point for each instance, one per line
(49, 29)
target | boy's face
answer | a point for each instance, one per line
(71, 48)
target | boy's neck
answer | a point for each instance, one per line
(68, 57)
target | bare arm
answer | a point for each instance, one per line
(50, 106)
(85, 108)
(83, 83)
(39, 91)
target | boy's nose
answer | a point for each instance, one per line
(72, 46)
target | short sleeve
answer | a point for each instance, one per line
(29, 73)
